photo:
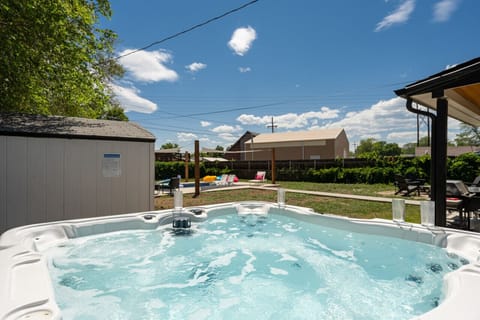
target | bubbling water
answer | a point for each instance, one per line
(231, 267)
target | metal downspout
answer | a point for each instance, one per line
(433, 162)
(438, 156)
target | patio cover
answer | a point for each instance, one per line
(454, 92)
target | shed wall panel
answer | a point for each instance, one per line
(136, 175)
(49, 179)
(55, 173)
(104, 185)
(73, 176)
(3, 183)
(119, 186)
(16, 177)
(36, 180)
(88, 178)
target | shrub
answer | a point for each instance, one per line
(464, 167)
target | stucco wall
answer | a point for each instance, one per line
(49, 179)
(342, 145)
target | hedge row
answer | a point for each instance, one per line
(465, 167)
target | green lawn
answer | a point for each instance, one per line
(376, 190)
(343, 207)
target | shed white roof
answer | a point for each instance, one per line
(33, 125)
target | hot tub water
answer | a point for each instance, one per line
(247, 267)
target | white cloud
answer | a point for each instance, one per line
(149, 66)
(244, 69)
(400, 15)
(387, 120)
(443, 10)
(410, 136)
(205, 124)
(242, 39)
(449, 66)
(228, 137)
(186, 136)
(291, 120)
(205, 139)
(227, 129)
(130, 100)
(195, 67)
(384, 118)
(454, 124)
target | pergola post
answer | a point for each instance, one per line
(197, 169)
(273, 166)
(440, 159)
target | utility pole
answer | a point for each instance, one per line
(273, 126)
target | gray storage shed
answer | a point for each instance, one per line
(55, 168)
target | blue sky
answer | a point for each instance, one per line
(307, 63)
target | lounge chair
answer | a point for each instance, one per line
(230, 179)
(407, 186)
(259, 177)
(223, 180)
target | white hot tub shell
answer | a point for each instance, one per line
(26, 290)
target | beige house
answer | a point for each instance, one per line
(451, 151)
(299, 145)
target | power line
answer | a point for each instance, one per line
(192, 115)
(190, 29)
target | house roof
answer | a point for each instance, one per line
(460, 85)
(239, 140)
(13, 124)
(168, 151)
(294, 138)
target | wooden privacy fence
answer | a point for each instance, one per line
(247, 169)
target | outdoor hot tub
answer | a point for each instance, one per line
(238, 260)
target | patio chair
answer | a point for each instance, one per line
(174, 184)
(223, 180)
(259, 177)
(474, 186)
(407, 186)
(230, 179)
(460, 199)
(162, 185)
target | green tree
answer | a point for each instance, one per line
(365, 148)
(409, 148)
(54, 59)
(469, 136)
(424, 141)
(169, 145)
(390, 149)
(370, 148)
